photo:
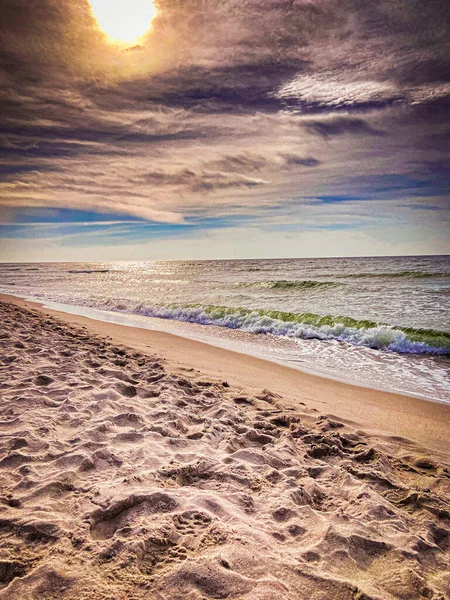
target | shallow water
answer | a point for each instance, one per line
(381, 322)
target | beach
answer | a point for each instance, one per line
(138, 464)
(381, 323)
(224, 300)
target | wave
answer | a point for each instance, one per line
(286, 285)
(406, 340)
(398, 274)
(252, 269)
(89, 271)
(15, 269)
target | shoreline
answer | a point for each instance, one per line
(214, 341)
(424, 421)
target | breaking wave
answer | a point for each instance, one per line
(355, 332)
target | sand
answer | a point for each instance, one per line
(130, 469)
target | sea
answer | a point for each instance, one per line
(379, 322)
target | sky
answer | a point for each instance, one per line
(231, 129)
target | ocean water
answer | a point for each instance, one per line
(378, 322)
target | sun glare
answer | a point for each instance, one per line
(123, 21)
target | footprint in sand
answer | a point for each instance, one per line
(189, 522)
(129, 391)
(127, 511)
(43, 380)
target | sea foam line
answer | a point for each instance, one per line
(380, 336)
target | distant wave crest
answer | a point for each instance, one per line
(398, 274)
(287, 285)
(88, 271)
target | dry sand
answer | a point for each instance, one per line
(207, 474)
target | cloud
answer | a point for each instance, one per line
(208, 182)
(342, 126)
(252, 162)
(294, 159)
(203, 181)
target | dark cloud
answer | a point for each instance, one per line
(203, 181)
(240, 163)
(293, 159)
(237, 88)
(159, 178)
(252, 162)
(100, 132)
(429, 207)
(341, 126)
(208, 182)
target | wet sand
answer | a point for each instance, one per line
(138, 464)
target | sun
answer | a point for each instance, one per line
(124, 22)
